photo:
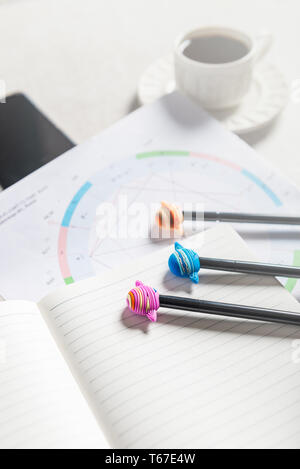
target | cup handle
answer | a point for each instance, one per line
(263, 43)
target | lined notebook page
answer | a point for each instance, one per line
(40, 404)
(188, 380)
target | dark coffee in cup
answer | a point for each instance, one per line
(214, 49)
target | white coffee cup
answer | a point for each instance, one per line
(214, 65)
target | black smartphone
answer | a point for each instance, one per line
(28, 140)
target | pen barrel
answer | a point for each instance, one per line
(256, 268)
(232, 217)
(229, 310)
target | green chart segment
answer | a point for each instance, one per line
(291, 283)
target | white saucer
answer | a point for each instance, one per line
(268, 95)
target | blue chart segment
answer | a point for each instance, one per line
(263, 186)
(73, 205)
(178, 176)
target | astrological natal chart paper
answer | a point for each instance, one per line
(172, 150)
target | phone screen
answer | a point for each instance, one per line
(28, 140)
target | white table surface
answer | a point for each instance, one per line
(80, 60)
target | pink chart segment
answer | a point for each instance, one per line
(63, 235)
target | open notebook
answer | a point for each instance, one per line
(186, 381)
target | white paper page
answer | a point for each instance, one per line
(40, 404)
(188, 380)
(170, 150)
